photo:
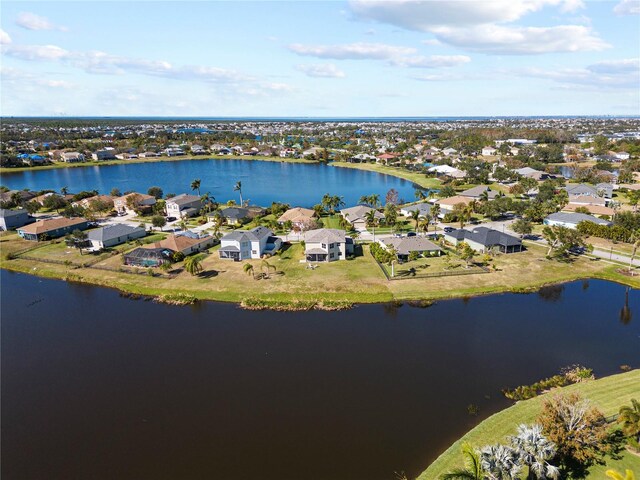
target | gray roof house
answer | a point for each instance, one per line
(424, 209)
(482, 239)
(477, 192)
(183, 205)
(356, 216)
(601, 190)
(14, 218)
(327, 245)
(405, 245)
(571, 220)
(234, 215)
(246, 244)
(113, 235)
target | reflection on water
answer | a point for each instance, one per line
(95, 385)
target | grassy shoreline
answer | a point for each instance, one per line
(336, 285)
(417, 178)
(607, 393)
(55, 166)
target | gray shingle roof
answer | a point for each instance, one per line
(325, 235)
(253, 235)
(184, 199)
(235, 213)
(477, 191)
(406, 245)
(5, 213)
(485, 236)
(112, 231)
(576, 218)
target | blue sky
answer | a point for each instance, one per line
(332, 58)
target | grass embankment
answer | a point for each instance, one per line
(608, 394)
(417, 178)
(352, 281)
(92, 163)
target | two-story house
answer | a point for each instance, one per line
(327, 245)
(183, 205)
(246, 244)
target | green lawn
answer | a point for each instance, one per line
(417, 178)
(608, 394)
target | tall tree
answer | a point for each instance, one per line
(371, 221)
(500, 462)
(238, 188)
(472, 466)
(535, 451)
(415, 216)
(195, 185)
(629, 418)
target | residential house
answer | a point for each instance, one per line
(89, 201)
(183, 205)
(571, 220)
(298, 216)
(529, 172)
(622, 156)
(246, 244)
(235, 215)
(149, 155)
(22, 195)
(72, 157)
(52, 228)
(424, 209)
(483, 239)
(148, 257)
(404, 246)
(480, 191)
(198, 150)
(489, 151)
(186, 243)
(601, 190)
(593, 209)
(449, 151)
(11, 219)
(448, 204)
(113, 235)
(173, 151)
(448, 171)
(140, 201)
(103, 155)
(327, 245)
(356, 216)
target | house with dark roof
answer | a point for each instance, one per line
(10, 219)
(572, 219)
(183, 205)
(356, 216)
(424, 209)
(478, 192)
(483, 239)
(234, 215)
(404, 246)
(113, 235)
(327, 245)
(245, 244)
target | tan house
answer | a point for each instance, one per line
(186, 244)
(298, 216)
(139, 200)
(87, 202)
(52, 228)
(447, 204)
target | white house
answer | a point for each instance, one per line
(246, 244)
(489, 151)
(72, 157)
(571, 220)
(622, 155)
(183, 205)
(327, 245)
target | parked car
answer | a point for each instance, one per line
(170, 219)
(448, 229)
(411, 234)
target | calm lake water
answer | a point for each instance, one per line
(98, 386)
(262, 182)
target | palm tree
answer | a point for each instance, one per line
(207, 200)
(266, 265)
(419, 193)
(193, 264)
(375, 200)
(534, 451)
(500, 462)
(238, 188)
(636, 243)
(195, 185)
(435, 213)
(423, 226)
(248, 269)
(472, 468)
(371, 221)
(629, 417)
(415, 216)
(64, 190)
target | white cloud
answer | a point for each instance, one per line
(617, 66)
(36, 52)
(627, 7)
(620, 74)
(431, 42)
(326, 70)
(25, 79)
(421, 15)
(433, 61)
(5, 39)
(480, 26)
(354, 51)
(31, 21)
(522, 40)
(440, 77)
(96, 62)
